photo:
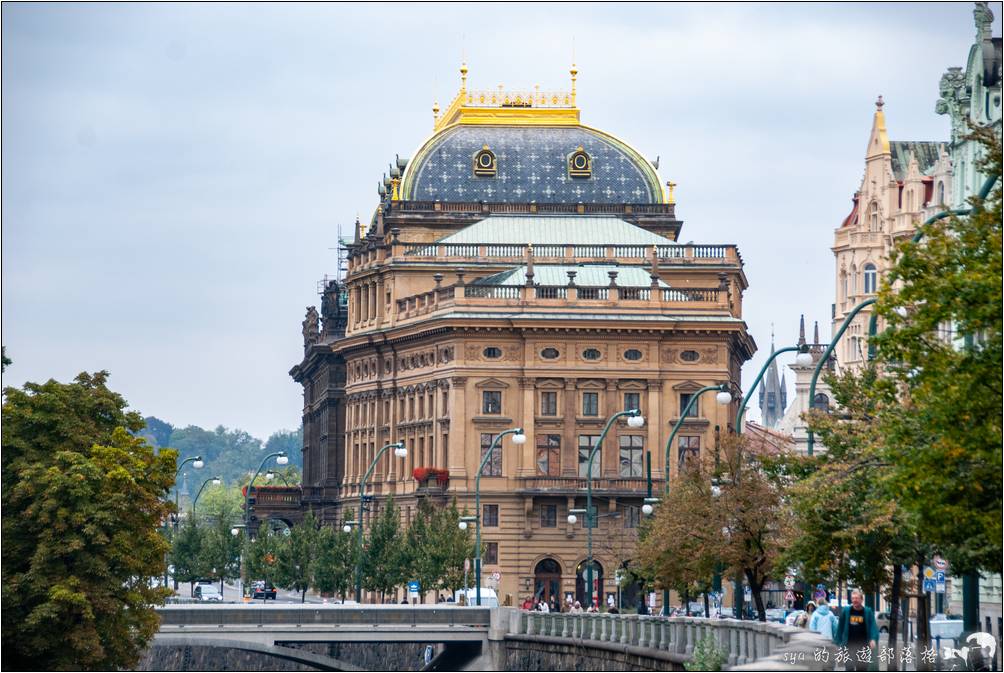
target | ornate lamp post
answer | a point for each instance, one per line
(401, 451)
(518, 438)
(635, 420)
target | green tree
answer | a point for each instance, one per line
(220, 558)
(82, 501)
(290, 441)
(187, 555)
(453, 546)
(336, 560)
(4, 360)
(261, 555)
(421, 553)
(383, 567)
(296, 561)
(943, 439)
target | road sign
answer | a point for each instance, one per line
(940, 587)
(939, 563)
(497, 576)
(819, 595)
(939, 576)
(928, 573)
(789, 595)
(820, 587)
(747, 593)
(789, 582)
(467, 565)
(413, 587)
(928, 585)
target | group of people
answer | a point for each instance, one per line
(571, 606)
(855, 628)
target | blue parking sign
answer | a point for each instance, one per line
(413, 586)
(928, 585)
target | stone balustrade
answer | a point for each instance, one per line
(744, 643)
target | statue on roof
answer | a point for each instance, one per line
(311, 327)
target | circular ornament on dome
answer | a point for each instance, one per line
(485, 164)
(580, 164)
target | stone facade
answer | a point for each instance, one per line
(904, 183)
(466, 318)
(791, 424)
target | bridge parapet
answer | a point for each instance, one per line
(673, 639)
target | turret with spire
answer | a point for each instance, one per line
(773, 396)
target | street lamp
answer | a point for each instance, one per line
(401, 452)
(197, 463)
(635, 420)
(216, 481)
(517, 438)
(280, 459)
(803, 359)
(723, 397)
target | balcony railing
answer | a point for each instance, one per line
(672, 254)
(668, 209)
(567, 297)
(570, 484)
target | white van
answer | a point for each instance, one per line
(489, 599)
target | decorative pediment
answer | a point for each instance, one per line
(632, 385)
(592, 384)
(687, 387)
(491, 383)
(551, 384)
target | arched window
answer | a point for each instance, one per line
(843, 285)
(909, 200)
(941, 192)
(873, 218)
(854, 280)
(871, 278)
(821, 402)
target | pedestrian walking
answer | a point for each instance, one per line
(576, 608)
(858, 631)
(802, 620)
(823, 622)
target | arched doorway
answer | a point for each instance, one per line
(547, 580)
(580, 583)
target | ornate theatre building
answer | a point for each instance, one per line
(521, 270)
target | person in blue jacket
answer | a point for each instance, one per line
(857, 630)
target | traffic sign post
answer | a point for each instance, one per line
(413, 589)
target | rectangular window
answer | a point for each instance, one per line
(685, 400)
(586, 444)
(491, 402)
(689, 447)
(490, 516)
(632, 455)
(445, 411)
(548, 516)
(632, 516)
(590, 404)
(549, 455)
(632, 401)
(549, 403)
(493, 468)
(491, 553)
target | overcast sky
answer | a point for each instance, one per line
(174, 175)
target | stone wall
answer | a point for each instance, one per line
(541, 653)
(368, 656)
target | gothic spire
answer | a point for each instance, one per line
(801, 330)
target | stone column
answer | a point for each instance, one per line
(643, 637)
(653, 422)
(458, 431)
(610, 463)
(569, 439)
(527, 463)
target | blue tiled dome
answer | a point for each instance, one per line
(532, 166)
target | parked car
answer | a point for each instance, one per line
(946, 627)
(775, 615)
(263, 590)
(209, 593)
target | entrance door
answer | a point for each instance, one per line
(580, 584)
(547, 581)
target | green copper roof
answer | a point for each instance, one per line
(587, 275)
(555, 230)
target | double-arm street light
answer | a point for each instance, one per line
(635, 420)
(517, 438)
(280, 459)
(723, 397)
(216, 481)
(401, 451)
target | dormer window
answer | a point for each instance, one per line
(485, 164)
(873, 218)
(580, 164)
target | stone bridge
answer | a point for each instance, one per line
(471, 638)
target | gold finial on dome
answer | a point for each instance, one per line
(395, 192)
(463, 77)
(435, 115)
(574, 72)
(669, 197)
